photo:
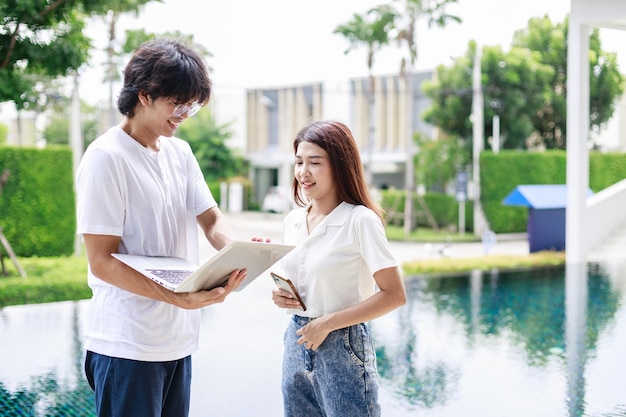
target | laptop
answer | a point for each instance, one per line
(180, 275)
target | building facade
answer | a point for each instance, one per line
(274, 116)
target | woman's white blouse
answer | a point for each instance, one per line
(333, 267)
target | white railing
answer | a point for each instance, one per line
(605, 211)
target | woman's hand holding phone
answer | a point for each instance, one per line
(285, 284)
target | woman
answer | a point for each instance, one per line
(345, 273)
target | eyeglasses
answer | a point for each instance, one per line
(190, 109)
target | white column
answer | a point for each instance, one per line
(577, 134)
(478, 137)
(76, 142)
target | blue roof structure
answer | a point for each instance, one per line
(539, 196)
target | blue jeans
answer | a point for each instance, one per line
(125, 387)
(339, 379)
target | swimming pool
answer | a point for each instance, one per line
(547, 342)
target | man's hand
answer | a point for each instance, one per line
(199, 299)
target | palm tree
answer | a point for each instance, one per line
(434, 11)
(370, 30)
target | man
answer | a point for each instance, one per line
(140, 191)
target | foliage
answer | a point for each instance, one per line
(525, 86)
(501, 173)
(514, 85)
(606, 169)
(208, 142)
(439, 160)
(37, 202)
(369, 30)
(406, 20)
(607, 83)
(40, 40)
(508, 169)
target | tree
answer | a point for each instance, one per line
(369, 30)
(515, 85)
(607, 83)
(40, 39)
(208, 142)
(525, 86)
(434, 11)
(439, 160)
(113, 10)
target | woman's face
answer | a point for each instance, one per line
(313, 172)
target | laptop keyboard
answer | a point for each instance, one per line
(171, 275)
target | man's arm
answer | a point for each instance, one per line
(216, 228)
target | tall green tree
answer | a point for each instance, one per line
(515, 85)
(40, 39)
(435, 13)
(370, 31)
(525, 86)
(607, 83)
(112, 11)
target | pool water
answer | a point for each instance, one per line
(548, 342)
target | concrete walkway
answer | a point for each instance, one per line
(268, 225)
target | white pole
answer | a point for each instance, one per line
(478, 138)
(496, 134)
(76, 142)
(577, 171)
(462, 218)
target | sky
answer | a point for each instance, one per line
(273, 43)
(284, 43)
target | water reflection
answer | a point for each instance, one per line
(493, 344)
(57, 390)
(530, 343)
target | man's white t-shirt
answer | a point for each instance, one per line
(151, 200)
(333, 267)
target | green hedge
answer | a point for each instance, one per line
(37, 206)
(501, 173)
(37, 203)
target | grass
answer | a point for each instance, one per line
(47, 280)
(485, 263)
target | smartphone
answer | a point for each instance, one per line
(285, 284)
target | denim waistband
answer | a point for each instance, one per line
(302, 320)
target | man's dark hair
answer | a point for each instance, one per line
(164, 68)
